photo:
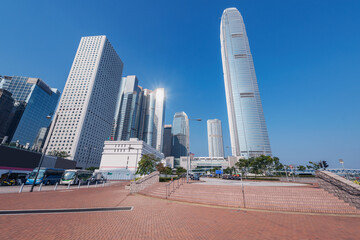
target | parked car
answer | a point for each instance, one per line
(9, 179)
(195, 176)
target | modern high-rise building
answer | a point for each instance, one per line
(180, 132)
(215, 138)
(139, 113)
(85, 115)
(39, 101)
(168, 140)
(6, 106)
(154, 117)
(128, 110)
(248, 132)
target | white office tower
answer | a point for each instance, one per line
(85, 114)
(155, 118)
(248, 132)
(215, 138)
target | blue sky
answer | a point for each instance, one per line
(306, 55)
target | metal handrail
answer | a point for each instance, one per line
(180, 181)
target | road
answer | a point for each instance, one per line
(15, 189)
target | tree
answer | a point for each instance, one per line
(301, 168)
(259, 165)
(92, 168)
(164, 170)
(180, 171)
(57, 153)
(147, 164)
(314, 166)
(227, 170)
(243, 165)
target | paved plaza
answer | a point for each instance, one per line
(154, 218)
(223, 182)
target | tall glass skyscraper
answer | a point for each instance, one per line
(39, 100)
(215, 138)
(180, 132)
(155, 118)
(248, 132)
(139, 113)
(127, 113)
(167, 140)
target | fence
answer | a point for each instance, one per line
(57, 186)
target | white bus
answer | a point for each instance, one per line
(74, 176)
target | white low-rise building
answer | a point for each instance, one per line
(125, 154)
(207, 163)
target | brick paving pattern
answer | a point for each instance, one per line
(154, 218)
(309, 198)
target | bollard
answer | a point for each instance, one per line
(79, 185)
(103, 183)
(41, 184)
(56, 186)
(88, 184)
(68, 186)
(21, 188)
(96, 184)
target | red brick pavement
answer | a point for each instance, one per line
(308, 198)
(154, 218)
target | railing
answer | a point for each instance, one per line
(173, 185)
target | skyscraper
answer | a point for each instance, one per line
(6, 106)
(128, 110)
(168, 140)
(180, 132)
(139, 113)
(154, 117)
(39, 101)
(85, 114)
(215, 138)
(248, 132)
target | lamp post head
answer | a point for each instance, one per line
(341, 161)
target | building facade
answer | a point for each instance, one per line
(204, 164)
(248, 132)
(168, 140)
(84, 118)
(39, 102)
(140, 113)
(126, 154)
(181, 136)
(154, 118)
(6, 107)
(128, 110)
(215, 138)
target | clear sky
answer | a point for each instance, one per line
(306, 55)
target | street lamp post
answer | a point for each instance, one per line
(137, 154)
(42, 155)
(188, 159)
(342, 163)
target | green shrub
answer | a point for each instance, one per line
(166, 179)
